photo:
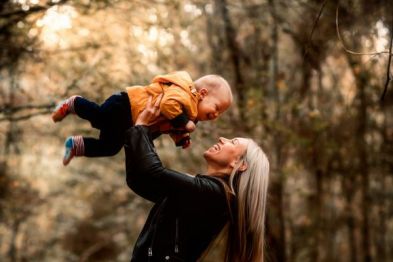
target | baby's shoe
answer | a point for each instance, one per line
(69, 150)
(61, 111)
(64, 108)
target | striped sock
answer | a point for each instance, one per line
(70, 102)
(79, 145)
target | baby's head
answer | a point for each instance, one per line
(216, 96)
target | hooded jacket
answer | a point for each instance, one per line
(179, 103)
(188, 212)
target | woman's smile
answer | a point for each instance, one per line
(215, 148)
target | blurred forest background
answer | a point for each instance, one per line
(308, 82)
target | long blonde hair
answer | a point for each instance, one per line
(246, 232)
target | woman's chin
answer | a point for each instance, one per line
(209, 152)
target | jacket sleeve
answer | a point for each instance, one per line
(147, 177)
(172, 106)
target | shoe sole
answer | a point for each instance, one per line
(67, 161)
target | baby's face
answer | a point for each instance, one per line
(212, 107)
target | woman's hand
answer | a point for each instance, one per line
(151, 113)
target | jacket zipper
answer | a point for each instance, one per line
(177, 236)
(154, 223)
(150, 249)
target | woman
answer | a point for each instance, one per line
(189, 212)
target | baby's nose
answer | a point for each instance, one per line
(213, 115)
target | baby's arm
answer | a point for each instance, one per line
(172, 108)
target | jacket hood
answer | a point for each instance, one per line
(179, 78)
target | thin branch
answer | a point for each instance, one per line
(94, 249)
(24, 13)
(313, 28)
(350, 51)
(70, 49)
(388, 76)
(19, 15)
(24, 117)
(31, 10)
(12, 110)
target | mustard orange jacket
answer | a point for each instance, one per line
(178, 105)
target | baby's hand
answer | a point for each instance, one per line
(190, 126)
(187, 143)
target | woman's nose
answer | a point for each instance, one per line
(222, 139)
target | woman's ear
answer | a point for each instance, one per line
(203, 92)
(243, 166)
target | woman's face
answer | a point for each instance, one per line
(223, 156)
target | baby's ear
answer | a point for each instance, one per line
(203, 92)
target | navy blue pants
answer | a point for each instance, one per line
(112, 118)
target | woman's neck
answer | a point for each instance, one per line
(218, 171)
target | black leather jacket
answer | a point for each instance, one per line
(188, 212)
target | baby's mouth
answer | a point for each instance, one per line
(210, 116)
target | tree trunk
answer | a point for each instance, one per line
(348, 181)
(215, 41)
(362, 81)
(12, 250)
(235, 56)
(386, 168)
(364, 170)
(275, 234)
(277, 244)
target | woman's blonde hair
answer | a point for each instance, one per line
(246, 232)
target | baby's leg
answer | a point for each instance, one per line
(80, 106)
(91, 147)
(96, 114)
(112, 133)
(113, 112)
(99, 147)
(113, 118)
(89, 110)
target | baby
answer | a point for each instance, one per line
(183, 103)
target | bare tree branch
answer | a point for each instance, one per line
(95, 248)
(24, 117)
(9, 112)
(350, 51)
(15, 109)
(388, 76)
(18, 15)
(313, 28)
(31, 10)
(71, 49)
